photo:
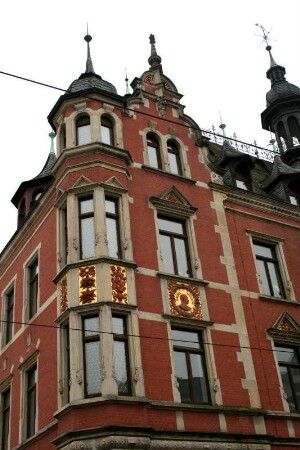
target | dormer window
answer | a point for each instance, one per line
(153, 151)
(107, 134)
(241, 184)
(293, 192)
(83, 130)
(242, 178)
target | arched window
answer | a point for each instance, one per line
(83, 130)
(107, 130)
(174, 158)
(294, 130)
(282, 137)
(62, 137)
(153, 151)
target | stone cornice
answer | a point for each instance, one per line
(257, 202)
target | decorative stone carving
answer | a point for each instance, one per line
(87, 285)
(184, 300)
(75, 244)
(63, 294)
(125, 244)
(152, 124)
(78, 377)
(119, 284)
(215, 178)
(161, 107)
(149, 79)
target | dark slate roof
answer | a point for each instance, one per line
(279, 169)
(47, 169)
(90, 80)
(281, 89)
(229, 152)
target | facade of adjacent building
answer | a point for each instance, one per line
(150, 295)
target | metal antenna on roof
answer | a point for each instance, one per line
(126, 81)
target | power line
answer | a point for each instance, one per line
(64, 326)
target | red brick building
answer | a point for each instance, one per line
(150, 295)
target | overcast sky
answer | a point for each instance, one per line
(209, 49)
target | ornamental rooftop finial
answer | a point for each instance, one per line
(89, 62)
(154, 60)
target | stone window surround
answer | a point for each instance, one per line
(99, 191)
(34, 255)
(95, 122)
(278, 243)
(8, 288)
(163, 149)
(109, 385)
(24, 367)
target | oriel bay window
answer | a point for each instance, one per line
(112, 227)
(83, 130)
(107, 134)
(121, 357)
(289, 365)
(87, 227)
(5, 416)
(268, 269)
(92, 357)
(174, 246)
(190, 366)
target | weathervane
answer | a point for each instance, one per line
(265, 34)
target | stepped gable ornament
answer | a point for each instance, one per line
(87, 285)
(63, 294)
(285, 330)
(119, 284)
(184, 300)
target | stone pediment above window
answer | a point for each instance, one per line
(82, 181)
(172, 202)
(285, 330)
(113, 182)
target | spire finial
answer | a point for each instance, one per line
(265, 37)
(89, 62)
(126, 81)
(154, 59)
(52, 136)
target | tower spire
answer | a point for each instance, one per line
(126, 81)
(89, 62)
(154, 59)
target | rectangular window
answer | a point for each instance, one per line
(121, 354)
(174, 246)
(31, 380)
(289, 365)
(268, 269)
(87, 227)
(5, 409)
(65, 363)
(190, 366)
(9, 316)
(92, 357)
(112, 227)
(33, 286)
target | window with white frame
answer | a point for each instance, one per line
(83, 130)
(107, 130)
(112, 226)
(30, 400)
(268, 268)
(154, 151)
(288, 358)
(190, 366)
(175, 163)
(87, 227)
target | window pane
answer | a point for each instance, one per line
(31, 401)
(173, 160)
(5, 419)
(110, 206)
(118, 325)
(170, 225)
(83, 135)
(86, 206)
(287, 386)
(274, 280)
(92, 367)
(182, 376)
(285, 354)
(112, 237)
(263, 277)
(106, 134)
(199, 380)
(241, 184)
(261, 250)
(91, 326)
(121, 366)
(87, 237)
(295, 374)
(181, 257)
(166, 251)
(153, 157)
(185, 338)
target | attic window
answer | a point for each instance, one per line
(242, 177)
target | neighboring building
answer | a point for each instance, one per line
(150, 296)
